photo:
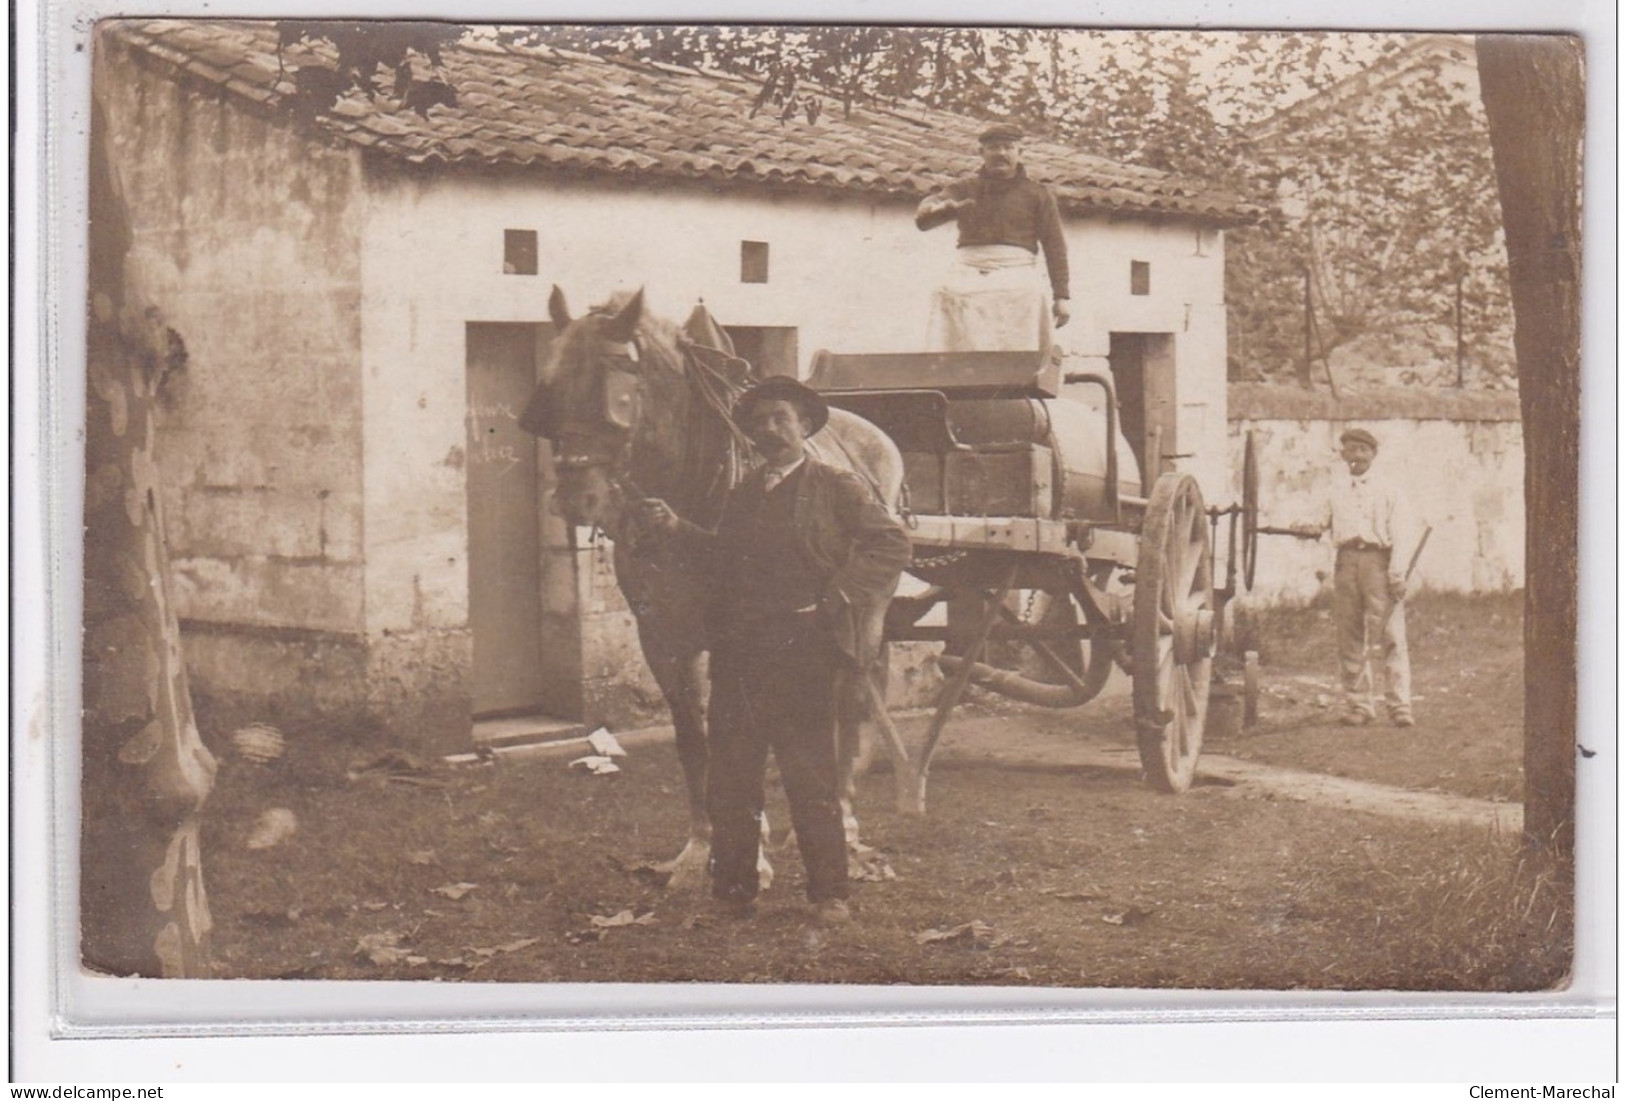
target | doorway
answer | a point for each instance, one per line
(509, 528)
(1142, 367)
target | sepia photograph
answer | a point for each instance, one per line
(935, 506)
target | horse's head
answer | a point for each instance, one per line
(592, 398)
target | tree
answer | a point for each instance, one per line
(146, 773)
(1387, 202)
(1535, 98)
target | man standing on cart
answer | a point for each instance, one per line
(993, 299)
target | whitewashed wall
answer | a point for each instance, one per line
(849, 275)
(1464, 478)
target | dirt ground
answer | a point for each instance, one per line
(1031, 868)
(1467, 674)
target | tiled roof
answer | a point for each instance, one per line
(544, 107)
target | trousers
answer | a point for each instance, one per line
(1367, 617)
(775, 690)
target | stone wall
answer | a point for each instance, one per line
(1459, 455)
(244, 236)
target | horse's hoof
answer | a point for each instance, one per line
(689, 870)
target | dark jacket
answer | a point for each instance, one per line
(1016, 211)
(855, 546)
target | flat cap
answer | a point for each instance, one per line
(814, 409)
(1001, 131)
(1358, 435)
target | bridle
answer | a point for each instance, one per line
(605, 439)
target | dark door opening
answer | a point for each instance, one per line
(1143, 372)
(770, 349)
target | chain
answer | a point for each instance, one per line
(933, 561)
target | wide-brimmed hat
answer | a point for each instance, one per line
(1358, 435)
(1001, 131)
(814, 409)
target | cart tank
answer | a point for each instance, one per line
(989, 434)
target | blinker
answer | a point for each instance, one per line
(620, 398)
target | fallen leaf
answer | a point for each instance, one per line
(420, 856)
(390, 763)
(516, 945)
(416, 961)
(454, 891)
(624, 917)
(382, 949)
(865, 864)
(375, 906)
(973, 931)
(596, 766)
(604, 744)
(272, 828)
(1131, 916)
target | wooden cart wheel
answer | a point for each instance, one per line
(1173, 633)
(1249, 513)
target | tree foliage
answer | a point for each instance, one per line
(369, 56)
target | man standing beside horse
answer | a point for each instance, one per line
(802, 563)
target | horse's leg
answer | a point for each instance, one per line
(678, 675)
(855, 733)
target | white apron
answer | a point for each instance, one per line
(993, 300)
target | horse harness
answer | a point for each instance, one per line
(581, 445)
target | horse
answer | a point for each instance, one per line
(635, 407)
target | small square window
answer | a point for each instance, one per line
(753, 261)
(519, 252)
(1139, 277)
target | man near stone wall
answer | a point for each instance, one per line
(1374, 535)
(802, 557)
(992, 299)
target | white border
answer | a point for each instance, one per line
(1266, 1036)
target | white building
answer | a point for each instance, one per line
(357, 526)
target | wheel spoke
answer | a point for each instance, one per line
(1190, 702)
(1179, 730)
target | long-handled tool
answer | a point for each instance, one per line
(1393, 609)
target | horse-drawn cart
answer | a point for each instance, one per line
(1052, 556)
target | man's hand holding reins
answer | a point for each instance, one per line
(656, 515)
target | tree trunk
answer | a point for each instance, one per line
(1534, 95)
(146, 773)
